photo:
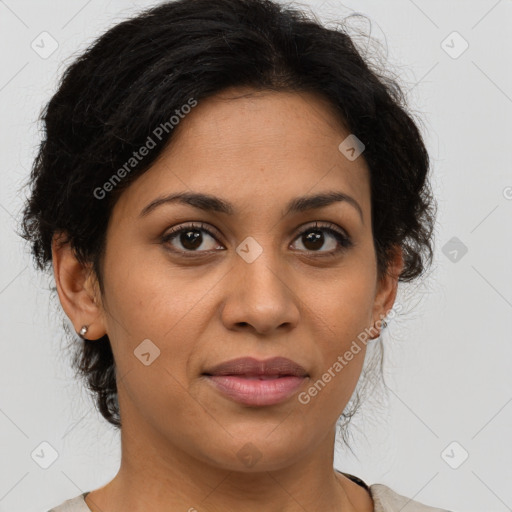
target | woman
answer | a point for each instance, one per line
(228, 197)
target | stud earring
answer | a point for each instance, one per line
(384, 324)
(83, 330)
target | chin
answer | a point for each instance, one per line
(254, 453)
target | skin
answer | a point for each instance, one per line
(180, 437)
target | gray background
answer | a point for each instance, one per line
(447, 358)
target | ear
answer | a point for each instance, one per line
(78, 289)
(387, 286)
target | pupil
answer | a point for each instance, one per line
(315, 238)
(193, 242)
(193, 239)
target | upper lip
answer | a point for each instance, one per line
(255, 367)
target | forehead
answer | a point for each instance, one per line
(255, 147)
(241, 120)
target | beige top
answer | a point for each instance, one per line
(384, 499)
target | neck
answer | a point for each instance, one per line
(163, 478)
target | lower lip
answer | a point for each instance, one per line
(255, 391)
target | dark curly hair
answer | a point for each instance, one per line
(143, 70)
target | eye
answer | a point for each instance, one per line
(190, 238)
(312, 239)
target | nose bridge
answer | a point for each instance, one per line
(260, 268)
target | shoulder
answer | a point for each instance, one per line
(384, 498)
(387, 500)
(76, 504)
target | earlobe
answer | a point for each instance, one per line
(76, 288)
(388, 286)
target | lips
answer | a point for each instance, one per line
(255, 383)
(252, 368)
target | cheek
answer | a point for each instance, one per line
(148, 300)
(342, 308)
(340, 312)
(165, 307)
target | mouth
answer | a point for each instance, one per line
(251, 382)
(253, 377)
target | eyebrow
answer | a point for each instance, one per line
(208, 202)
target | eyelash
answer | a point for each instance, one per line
(344, 241)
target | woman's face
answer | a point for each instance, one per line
(257, 283)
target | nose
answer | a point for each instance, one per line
(260, 296)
